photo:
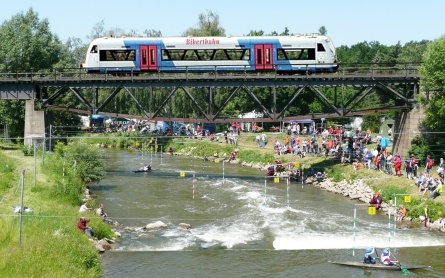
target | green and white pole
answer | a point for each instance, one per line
(354, 231)
(389, 228)
(395, 215)
(223, 171)
(265, 192)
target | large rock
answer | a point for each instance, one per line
(185, 226)
(156, 225)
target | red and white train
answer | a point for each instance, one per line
(283, 54)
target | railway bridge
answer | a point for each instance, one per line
(342, 94)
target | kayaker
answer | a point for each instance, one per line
(369, 259)
(146, 168)
(385, 258)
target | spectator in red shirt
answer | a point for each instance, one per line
(82, 226)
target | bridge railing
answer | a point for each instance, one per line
(381, 70)
(345, 70)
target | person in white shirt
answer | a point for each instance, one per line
(385, 258)
(84, 207)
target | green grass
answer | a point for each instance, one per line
(50, 244)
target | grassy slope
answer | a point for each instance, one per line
(50, 244)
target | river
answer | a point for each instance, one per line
(243, 224)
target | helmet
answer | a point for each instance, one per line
(368, 250)
(385, 252)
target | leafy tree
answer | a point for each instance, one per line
(25, 42)
(152, 33)
(86, 159)
(419, 147)
(322, 30)
(432, 70)
(256, 33)
(208, 25)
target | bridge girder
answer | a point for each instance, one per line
(297, 86)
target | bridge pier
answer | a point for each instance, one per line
(406, 128)
(34, 124)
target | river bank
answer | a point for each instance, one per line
(48, 227)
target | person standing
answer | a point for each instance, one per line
(398, 165)
(428, 164)
(263, 139)
(257, 140)
(414, 166)
(389, 159)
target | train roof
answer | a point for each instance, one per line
(220, 38)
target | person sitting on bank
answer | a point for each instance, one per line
(146, 168)
(385, 258)
(100, 212)
(84, 207)
(369, 259)
(376, 201)
(82, 226)
(170, 150)
(401, 213)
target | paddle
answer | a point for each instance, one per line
(403, 269)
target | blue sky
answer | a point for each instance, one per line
(347, 21)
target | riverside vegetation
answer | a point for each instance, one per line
(50, 243)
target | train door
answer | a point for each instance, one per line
(263, 57)
(148, 57)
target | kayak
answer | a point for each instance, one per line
(380, 266)
(142, 171)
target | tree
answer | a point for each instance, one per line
(26, 43)
(322, 30)
(152, 33)
(86, 159)
(208, 25)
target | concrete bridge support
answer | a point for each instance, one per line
(34, 124)
(406, 128)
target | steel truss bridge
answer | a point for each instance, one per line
(398, 84)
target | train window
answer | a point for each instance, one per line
(320, 47)
(190, 55)
(117, 55)
(282, 54)
(166, 55)
(238, 54)
(205, 54)
(296, 54)
(220, 54)
(172, 54)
